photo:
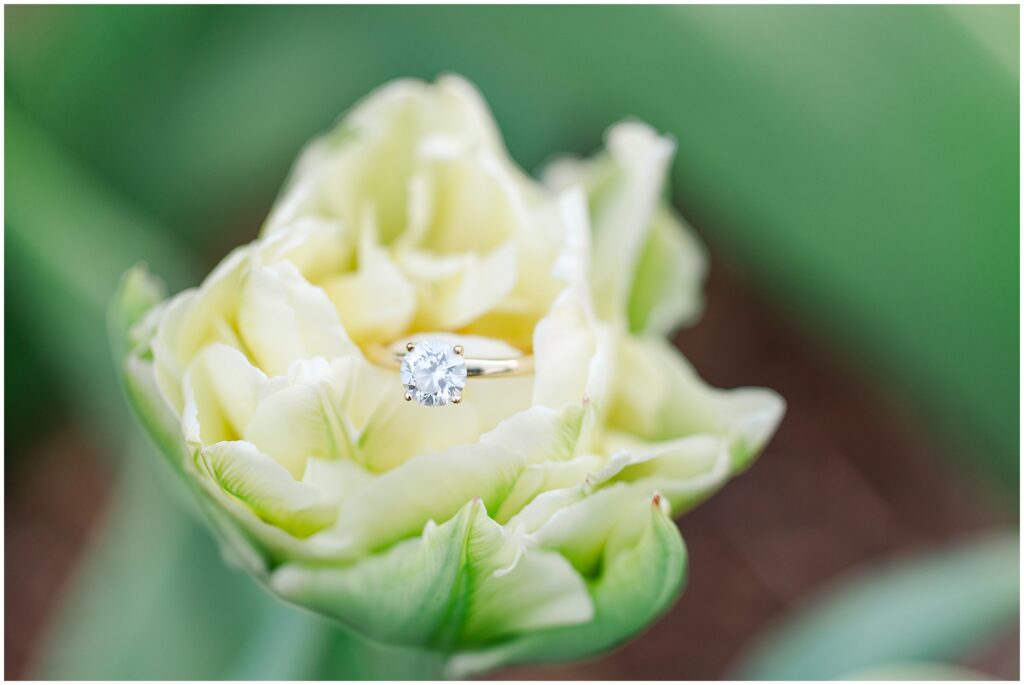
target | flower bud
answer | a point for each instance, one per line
(532, 521)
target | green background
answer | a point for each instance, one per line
(859, 164)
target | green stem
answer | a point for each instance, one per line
(293, 644)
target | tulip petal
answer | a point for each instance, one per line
(571, 348)
(572, 358)
(433, 486)
(539, 479)
(318, 248)
(580, 530)
(133, 319)
(198, 317)
(564, 343)
(467, 198)
(549, 440)
(518, 589)
(245, 538)
(375, 302)
(220, 387)
(649, 265)
(657, 396)
(401, 430)
(466, 581)
(623, 212)
(640, 575)
(539, 242)
(400, 596)
(367, 161)
(541, 434)
(243, 472)
(130, 321)
(455, 289)
(303, 415)
(670, 272)
(281, 318)
(624, 188)
(685, 471)
(336, 479)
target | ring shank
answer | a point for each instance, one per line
(498, 367)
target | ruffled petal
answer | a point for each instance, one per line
(466, 581)
(250, 476)
(623, 189)
(282, 317)
(538, 479)
(433, 486)
(667, 288)
(685, 471)
(541, 434)
(134, 316)
(571, 348)
(657, 396)
(456, 289)
(550, 441)
(221, 388)
(195, 318)
(375, 302)
(641, 568)
(367, 161)
(303, 416)
(319, 248)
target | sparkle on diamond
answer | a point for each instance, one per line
(433, 373)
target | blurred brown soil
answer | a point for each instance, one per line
(849, 478)
(61, 488)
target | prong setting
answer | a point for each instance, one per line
(433, 372)
(459, 349)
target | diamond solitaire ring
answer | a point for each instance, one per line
(434, 372)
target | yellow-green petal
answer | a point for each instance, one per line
(243, 472)
(466, 581)
(637, 581)
(657, 396)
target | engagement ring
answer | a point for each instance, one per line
(434, 372)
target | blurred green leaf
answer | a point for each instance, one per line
(30, 389)
(68, 240)
(916, 671)
(933, 608)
